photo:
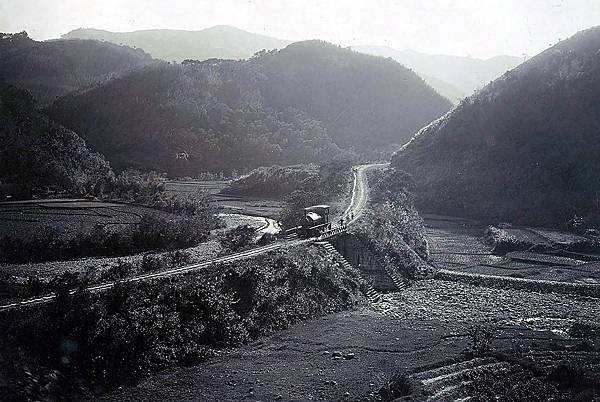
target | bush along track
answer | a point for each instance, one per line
(391, 227)
(83, 341)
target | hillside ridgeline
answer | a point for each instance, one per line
(54, 68)
(523, 149)
(37, 155)
(302, 104)
(218, 42)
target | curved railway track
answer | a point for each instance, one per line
(356, 207)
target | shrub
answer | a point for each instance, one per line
(152, 233)
(134, 186)
(35, 286)
(584, 330)
(480, 340)
(138, 328)
(396, 387)
(179, 257)
(151, 263)
(266, 239)
(237, 238)
(122, 270)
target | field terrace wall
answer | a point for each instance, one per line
(534, 285)
(362, 258)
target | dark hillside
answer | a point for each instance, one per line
(54, 68)
(525, 148)
(12, 42)
(191, 118)
(37, 155)
(364, 101)
(304, 104)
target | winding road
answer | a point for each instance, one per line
(356, 207)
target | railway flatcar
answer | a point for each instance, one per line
(315, 221)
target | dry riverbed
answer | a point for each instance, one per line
(351, 355)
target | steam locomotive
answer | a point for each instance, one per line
(315, 221)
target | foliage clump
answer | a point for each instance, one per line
(391, 226)
(156, 233)
(237, 239)
(273, 181)
(109, 339)
(38, 157)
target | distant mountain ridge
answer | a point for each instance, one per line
(452, 76)
(309, 102)
(525, 148)
(54, 68)
(220, 42)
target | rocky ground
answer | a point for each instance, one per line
(423, 330)
(350, 355)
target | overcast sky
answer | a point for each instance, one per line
(478, 28)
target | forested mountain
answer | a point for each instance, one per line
(54, 68)
(452, 76)
(366, 102)
(309, 102)
(526, 148)
(37, 155)
(221, 42)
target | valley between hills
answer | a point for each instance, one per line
(220, 215)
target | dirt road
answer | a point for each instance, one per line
(360, 191)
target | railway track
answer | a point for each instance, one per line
(164, 274)
(357, 204)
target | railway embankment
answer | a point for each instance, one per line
(390, 228)
(535, 285)
(168, 322)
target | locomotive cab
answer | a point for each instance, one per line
(315, 221)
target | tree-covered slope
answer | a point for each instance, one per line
(187, 119)
(37, 155)
(54, 68)
(526, 148)
(307, 103)
(222, 42)
(364, 101)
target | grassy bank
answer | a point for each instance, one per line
(86, 343)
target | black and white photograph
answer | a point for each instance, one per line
(300, 200)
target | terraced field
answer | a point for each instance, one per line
(457, 244)
(70, 217)
(450, 382)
